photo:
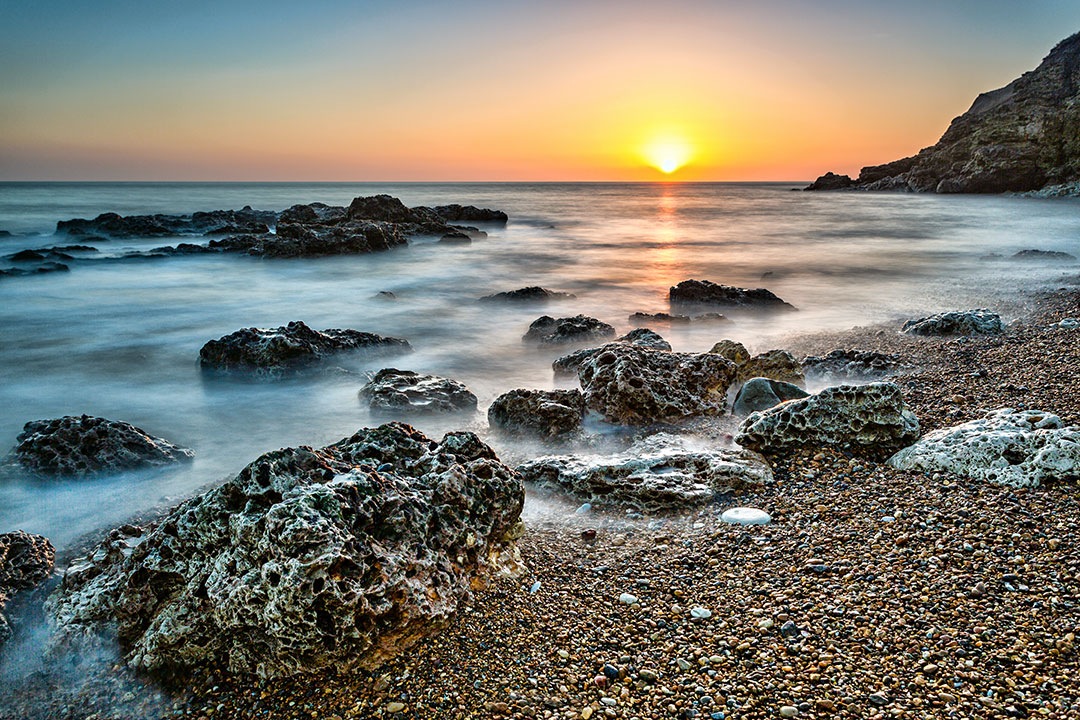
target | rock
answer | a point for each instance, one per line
(541, 413)
(636, 385)
(700, 613)
(972, 322)
(26, 256)
(745, 516)
(291, 347)
(831, 181)
(1021, 137)
(1049, 255)
(341, 557)
(293, 240)
(661, 472)
(468, 213)
(547, 330)
(117, 226)
(710, 318)
(704, 292)
(80, 446)
(49, 267)
(1069, 324)
(404, 392)
(384, 208)
(640, 318)
(533, 293)
(733, 351)
(25, 562)
(456, 237)
(869, 417)
(851, 364)
(628, 599)
(642, 337)
(764, 393)
(1020, 448)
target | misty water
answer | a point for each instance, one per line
(120, 339)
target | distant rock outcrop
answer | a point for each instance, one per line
(1022, 137)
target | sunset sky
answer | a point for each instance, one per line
(496, 90)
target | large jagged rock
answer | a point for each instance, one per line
(831, 181)
(641, 337)
(774, 364)
(971, 322)
(704, 292)
(1022, 137)
(73, 446)
(547, 330)
(634, 385)
(1021, 448)
(340, 558)
(843, 364)
(662, 472)
(291, 347)
(762, 393)
(531, 294)
(113, 225)
(538, 413)
(872, 418)
(25, 562)
(404, 392)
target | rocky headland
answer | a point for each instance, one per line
(1024, 137)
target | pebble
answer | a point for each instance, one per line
(700, 613)
(628, 599)
(746, 516)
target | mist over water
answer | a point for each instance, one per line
(120, 339)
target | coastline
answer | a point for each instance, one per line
(910, 595)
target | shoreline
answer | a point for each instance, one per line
(887, 615)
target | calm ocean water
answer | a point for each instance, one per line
(121, 339)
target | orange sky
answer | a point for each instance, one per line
(485, 91)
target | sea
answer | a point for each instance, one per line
(120, 339)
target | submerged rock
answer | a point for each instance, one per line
(48, 267)
(640, 318)
(217, 221)
(1051, 255)
(635, 385)
(291, 347)
(25, 562)
(540, 413)
(851, 364)
(763, 393)
(1021, 448)
(641, 337)
(870, 417)
(704, 292)
(547, 330)
(971, 322)
(533, 293)
(341, 558)
(86, 445)
(404, 392)
(659, 473)
(468, 213)
(456, 236)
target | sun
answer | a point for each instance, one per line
(667, 153)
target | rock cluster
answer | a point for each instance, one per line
(214, 222)
(1020, 448)
(547, 330)
(538, 413)
(404, 392)
(345, 237)
(762, 393)
(842, 363)
(704, 292)
(533, 293)
(340, 557)
(1021, 137)
(634, 385)
(291, 347)
(73, 446)
(25, 561)
(661, 472)
(773, 364)
(642, 337)
(872, 418)
(971, 322)
(45, 267)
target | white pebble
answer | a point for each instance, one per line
(627, 599)
(746, 516)
(701, 613)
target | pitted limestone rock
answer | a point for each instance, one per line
(1020, 448)
(869, 417)
(340, 557)
(540, 413)
(642, 337)
(635, 385)
(971, 322)
(404, 392)
(661, 472)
